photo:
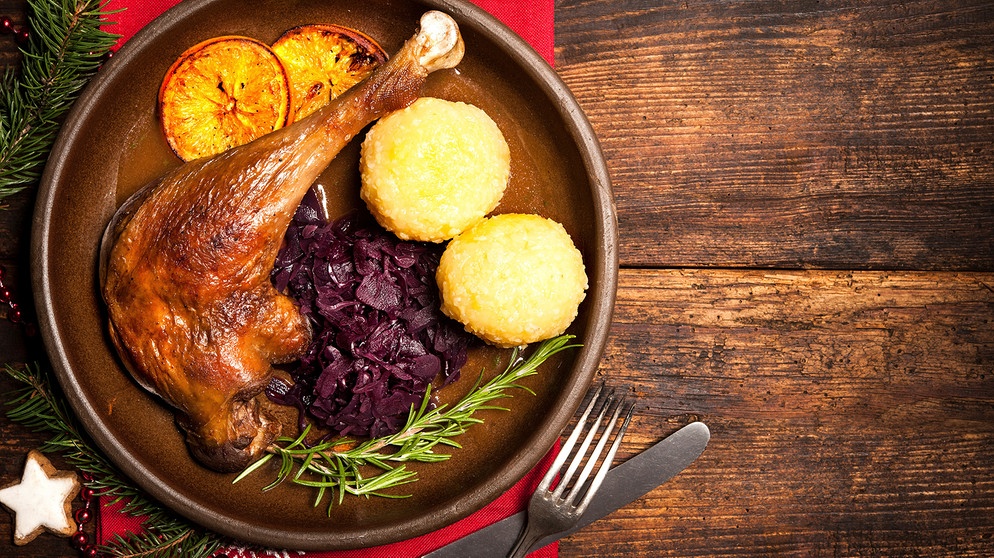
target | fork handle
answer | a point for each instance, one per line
(525, 542)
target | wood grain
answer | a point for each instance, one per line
(824, 134)
(852, 413)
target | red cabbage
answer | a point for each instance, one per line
(379, 336)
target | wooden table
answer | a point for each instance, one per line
(805, 194)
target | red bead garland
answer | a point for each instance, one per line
(14, 313)
(21, 35)
(81, 540)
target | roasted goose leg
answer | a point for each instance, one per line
(185, 262)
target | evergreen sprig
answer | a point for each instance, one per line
(345, 466)
(40, 408)
(65, 50)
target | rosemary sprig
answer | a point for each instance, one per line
(66, 48)
(369, 468)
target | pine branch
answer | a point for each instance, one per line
(66, 49)
(38, 407)
(182, 544)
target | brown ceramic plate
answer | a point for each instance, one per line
(111, 144)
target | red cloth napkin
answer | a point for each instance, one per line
(534, 21)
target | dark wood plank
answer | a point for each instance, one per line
(763, 133)
(852, 413)
(15, 227)
(19, 342)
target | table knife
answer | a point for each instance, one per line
(623, 484)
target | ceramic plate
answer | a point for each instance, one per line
(111, 144)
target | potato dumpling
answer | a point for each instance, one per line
(512, 279)
(433, 169)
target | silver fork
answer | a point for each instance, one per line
(549, 511)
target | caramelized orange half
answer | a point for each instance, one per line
(222, 93)
(324, 60)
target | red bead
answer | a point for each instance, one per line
(5, 295)
(15, 315)
(87, 493)
(21, 37)
(83, 515)
(80, 539)
(6, 25)
(89, 551)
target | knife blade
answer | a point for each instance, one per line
(623, 484)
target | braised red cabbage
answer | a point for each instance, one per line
(379, 335)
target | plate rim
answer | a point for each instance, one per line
(601, 301)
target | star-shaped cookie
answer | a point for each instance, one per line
(42, 500)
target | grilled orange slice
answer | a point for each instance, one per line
(324, 60)
(222, 93)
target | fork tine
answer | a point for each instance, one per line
(582, 451)
(608, 459)
(567, 446)
(614, 407)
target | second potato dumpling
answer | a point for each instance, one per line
(433, 169)
(513, 279)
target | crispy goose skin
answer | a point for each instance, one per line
(185, 262)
